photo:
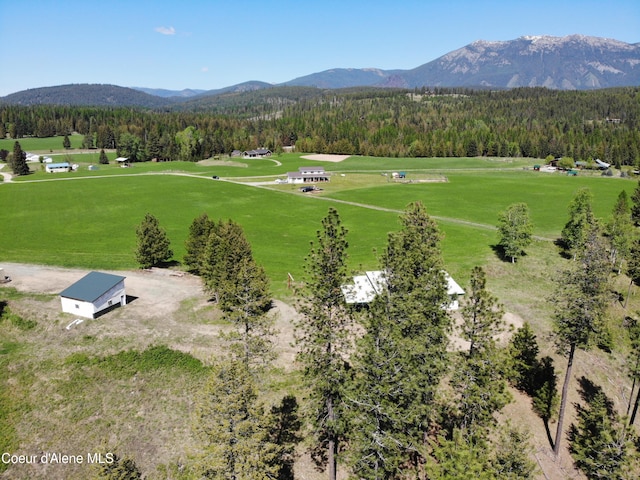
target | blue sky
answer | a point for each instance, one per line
(213, 44)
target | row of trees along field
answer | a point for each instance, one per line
(524, 122)
(384, 395)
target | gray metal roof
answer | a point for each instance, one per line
(91, 286)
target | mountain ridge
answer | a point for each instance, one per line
(572, 62)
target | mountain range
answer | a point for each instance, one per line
(574, 62)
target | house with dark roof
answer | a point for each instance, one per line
(93, 294)
(258, 153)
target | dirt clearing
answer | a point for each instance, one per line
(326, 158)
(165, 307)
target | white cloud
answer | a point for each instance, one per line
(204, 69)
(166, 30)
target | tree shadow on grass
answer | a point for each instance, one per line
(499, 252)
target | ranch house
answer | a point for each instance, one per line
(93, 294)
(366, 287)
(308, 175)
(58, 167)
(258, 153)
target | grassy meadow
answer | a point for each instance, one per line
(90, 222)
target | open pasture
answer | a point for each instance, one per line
(42, 145)
(91, 222)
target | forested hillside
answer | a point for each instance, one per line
(377, 122)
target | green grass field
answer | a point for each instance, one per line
(41, 145)
(90, 222)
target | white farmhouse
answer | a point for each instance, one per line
(93, 293)
(308, 175)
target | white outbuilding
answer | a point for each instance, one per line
(366, 287)
(58, 167)
(93, 294)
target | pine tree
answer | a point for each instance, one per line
(323, 337)
(581, 220)
(545, 392)
(225, 248)
(634, 367)
(633, 266)
(515, 230)
(103, 159)
(481, 313)
(523, 351)
(620, 230)
(196, 243)
(600, 444)
(245, 301)
(460, 457)
(221, 253)
(635, 205)
(402, 356)
(153, 243)
(233, 429)
(579, 309)
(479, 387)
(19, 160)
(513, 455)
(66, 143)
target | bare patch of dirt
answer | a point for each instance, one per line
(221, 163)
(326, 157)
(164, 307)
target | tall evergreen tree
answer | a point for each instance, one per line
(153, 243)
(633, 266)
(600, 444)
(221, 253)
(226, 246)
(545, 392)
(196, 243)
(580, 305)
(620, 230)
(523, 350)
(19, 160)
(515, 230)
(478, 377)
(402, 356)
(635, 205)
(103, 159)
(481, 313)
(634, 367)
(245, 301)
(233, 428)
(66, 143)
(323, 337)
(581, 220)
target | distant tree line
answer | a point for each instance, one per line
(524, 122)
